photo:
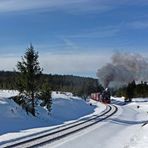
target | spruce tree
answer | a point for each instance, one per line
(130, 91)
(30, 72)
(45, 95)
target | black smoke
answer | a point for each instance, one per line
(124, 68)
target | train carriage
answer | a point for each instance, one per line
(102, 97)
(96, 96)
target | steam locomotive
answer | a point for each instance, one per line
(103, 97)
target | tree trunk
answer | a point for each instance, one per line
(33, 104)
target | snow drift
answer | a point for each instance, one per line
(65, 107)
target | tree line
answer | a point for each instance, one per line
(67, 83)
(75, 84)
(133, 90)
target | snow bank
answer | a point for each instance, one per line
(8, 93)
(15, 122)
(140, 140)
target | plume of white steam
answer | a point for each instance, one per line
(123, 69)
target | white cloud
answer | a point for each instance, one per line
(103, 31)
(73, 63)
(138, 24)
(8, 62)
(70, 5)
(19, 5)
(84, 64)
(80, 63)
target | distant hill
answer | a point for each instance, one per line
(81, 86)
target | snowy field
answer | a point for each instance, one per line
(123, 130)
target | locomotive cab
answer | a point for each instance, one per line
(106, 96)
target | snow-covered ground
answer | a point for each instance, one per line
(123, 130)
(15, 123)
(140, 140)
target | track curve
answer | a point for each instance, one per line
(65, 130)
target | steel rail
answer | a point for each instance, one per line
(63, 131)
(44, 132)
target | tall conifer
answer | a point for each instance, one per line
(30, 72)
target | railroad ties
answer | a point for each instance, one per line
(62, 131)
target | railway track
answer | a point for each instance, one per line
(62, 131)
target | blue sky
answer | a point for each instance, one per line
(72, 36)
